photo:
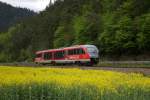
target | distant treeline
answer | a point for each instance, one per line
(116, 27)
(10, 15)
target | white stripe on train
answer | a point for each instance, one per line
(65, 61)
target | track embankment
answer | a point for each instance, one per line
(144, 71)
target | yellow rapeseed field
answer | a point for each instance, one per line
(24, 83)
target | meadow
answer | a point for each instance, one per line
(25, 83)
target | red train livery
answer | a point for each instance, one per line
(79, 54)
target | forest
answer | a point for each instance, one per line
(117, 27)
(9, 15)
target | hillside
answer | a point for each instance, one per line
(10, 15)
(117, 27)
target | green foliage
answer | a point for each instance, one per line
(135, 8)
(10, 15)
(63, 36)
(117, 27)
(143, 28)
(79, 26)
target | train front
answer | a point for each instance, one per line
(93, 53)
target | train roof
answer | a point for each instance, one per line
(74, 46)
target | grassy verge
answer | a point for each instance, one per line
(127, 64)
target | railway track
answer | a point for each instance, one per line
(144, 71)
(141, 70)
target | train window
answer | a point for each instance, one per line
(48, 55)
(70, 52)
(81, 51)
(59, 54)
(91, 49)
(76, 51)
(39, 55)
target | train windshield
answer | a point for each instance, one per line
(92, 50)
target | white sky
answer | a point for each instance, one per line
(36, 5)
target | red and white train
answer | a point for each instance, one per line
(78, 54)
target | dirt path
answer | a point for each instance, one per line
(144, 71)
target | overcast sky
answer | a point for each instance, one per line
(36, 5)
